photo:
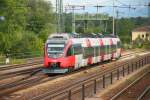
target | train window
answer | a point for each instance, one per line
(106, 47)
(110, 50)
(97, 51)
(77, 49)
(113, 48)
(70, 51)
(88, 52)
(102, 50)
(85, 55)
(55, 50)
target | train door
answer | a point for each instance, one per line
(118, 49)
(77, 48)
(106, 50)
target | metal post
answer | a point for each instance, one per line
(73, 19)
(136, 65)
(142, 62)
(95, 86)
(103, 81)
(123, 71)
(132, 67)
(139, 63)
(111, 77)
(149, 10)
(146, 60)
(59, 12)
(113, 17)
(118, 74)
(128, 69)
(69, 95)
(149, 59)
(83, 92)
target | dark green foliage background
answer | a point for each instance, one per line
(27, 24)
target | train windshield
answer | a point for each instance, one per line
(55, 50)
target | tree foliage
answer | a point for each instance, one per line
(25, 25)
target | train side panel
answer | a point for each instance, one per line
(80, 52)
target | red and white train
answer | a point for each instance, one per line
(66, 52)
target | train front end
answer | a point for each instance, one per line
(55, 60)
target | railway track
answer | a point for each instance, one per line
(79, 87)
(134, 89)
(145, 95)
(26, 82)
(20, 65)
(22, 71)
(132, 53)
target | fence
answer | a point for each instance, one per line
(90, 86)
(20, 57)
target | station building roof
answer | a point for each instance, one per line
(142, 29)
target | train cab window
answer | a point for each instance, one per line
(55, 50)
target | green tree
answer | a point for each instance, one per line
(125, 27)
(40, 15)
(26, 24)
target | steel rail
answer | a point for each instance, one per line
(144, 93)
(123, 63)
(129, 86)
(21, 72)
(93, 77)
(20, 65)
(23, 84)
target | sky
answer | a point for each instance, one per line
(140, 9)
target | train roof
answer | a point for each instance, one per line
(65, 36)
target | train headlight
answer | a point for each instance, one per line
(60, 55)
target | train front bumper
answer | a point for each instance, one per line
(55, 71)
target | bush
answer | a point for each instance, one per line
(140, 43)
(29, 44)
